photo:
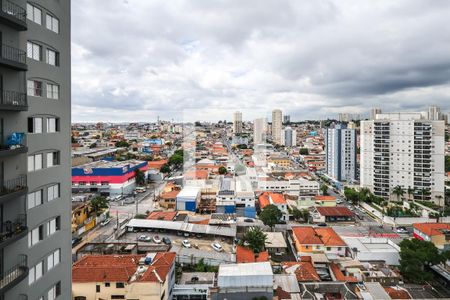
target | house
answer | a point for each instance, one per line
(268, 198)
(168, 199)
(316, 200)
(286, 287)
(437, 233)
(150, 277)
(309, 240)
(373, 249)
(246, 255)
(332, 214)
(275, 243)
(194, 285)
(188, 198)
(303, 270)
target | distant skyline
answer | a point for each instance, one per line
(139, 59)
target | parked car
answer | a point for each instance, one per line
(105, 222)
(76, 241)
(157, 239)
(248, 220)
(401, 229)
(322, 224)
(339, 201)
(141, 189)
(186, 234)
(144, 238)
(186, 244)
(217, 247)
(166, 241)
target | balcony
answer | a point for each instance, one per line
(13, 15)
(13, 145)
(13, 58)
(12, 100)
(11, 231)
(14, 275)
(13, 188)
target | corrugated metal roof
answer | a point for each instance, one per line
(246, 274)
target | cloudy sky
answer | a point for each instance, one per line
(134, 60)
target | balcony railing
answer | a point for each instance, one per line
(14, 275)
(13, 99)
(13, 185)
(15, 143)
(14, 10)
(14, 57)
(13, 229)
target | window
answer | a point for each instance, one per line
(52, 91)
(34, 199)
(52, 159)
(117, 297)
(52, 125)
(53, 259)
(120, 285)
(52, 57)
(34, 14)
(35, 273)
(54, 292)
(34, 125)
(35, 235)
(107, 284)
(34, 162)
(97, 288)
(34, 51)
(34, 88)
(53, 226)
(52, 192)
(52, 23)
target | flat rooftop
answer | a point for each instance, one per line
(104, 164)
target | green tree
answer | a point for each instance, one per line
(140, 177)
(165, 169)
(324, 189)
(304, 151)
(270, 215)
(93, 145)
(300, 214)
(255, 238)
(398, 191)
(99, 203)
(222, 170)
(176, 160)
(415, 256)
(351, 195)
(447, 163)
(122, 144)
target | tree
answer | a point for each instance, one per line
(324, 189)
(270, 215)
(363, 195)
(165, 169)
(304, 151)
(99, 203)
(398, 191)
(222, 170)
(410, 192)
(176, 160)
(255, 238)
(300, 214)
(415, 256)
(351, 195)
(122, 144)
(93, 145)
(140, 177)
(447, 163)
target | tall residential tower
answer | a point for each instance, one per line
(237, 122)
(35, 251)
(340, 144)
(277, 123)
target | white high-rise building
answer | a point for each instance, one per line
(434, 113)
(237, 122)
(288, 137)
(340, 145)
(403, 149)
(277, 123)
(373, 113)
(259, 131)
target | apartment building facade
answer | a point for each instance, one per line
(341, 153)
(406, 150)
(237, 122)
(277, 123)
(35, 260)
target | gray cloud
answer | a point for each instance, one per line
(134, 60)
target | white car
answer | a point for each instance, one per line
(338, 201)
(217, 247)
(144, 238)
(186, 244)
(401, 230)
(157, 239)
(105, 222)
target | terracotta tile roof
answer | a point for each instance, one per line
(277, 198)
(397, 293)
(246, 255)
(431, 229)
(325, 198)
(263, 200)
(196, 174)
(329, 237)
(340, 276)
(170, 195)
(267, 198)
(303, 270)
(156, 164)
(162, 215)
(335, 211)
(282, 294)
(307, 235)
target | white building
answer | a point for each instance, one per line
(288, 137)
(341, 153)
(373, 113)
(132, 135)
(403, 149)
(434, 113)
(259, 131)
(237, 122)
(277, 123)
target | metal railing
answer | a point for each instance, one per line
(12, 274)
(13, 185)
(10, 229)
(13, 98)
(13, 54)
(14, 10)
(7, 145)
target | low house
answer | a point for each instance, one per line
(246, 255)
(317, 200)
(188, 198)
(373, 249)
(303, 270)
(309, 240)
(333, 214)
(437, 233)
(277, 199)
(194, 285)
(275, 243)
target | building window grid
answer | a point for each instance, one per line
(34, 51)
(34, 14)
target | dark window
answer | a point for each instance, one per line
(80, 298)
(107, 284)
(41, 232)
(117, 297)
(58, 223)
(120, 285)
(58, 289)
(97, 288)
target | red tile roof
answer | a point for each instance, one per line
(303, 270)
(397, 293)
(268, 198)
(324, 198)
(340, 276)
(307, 235)
(329, 237)
(335, 211)
(196, 174)
(162, 215)
(170, 195)
(156, 164)
(246, 255)
(431, 229)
